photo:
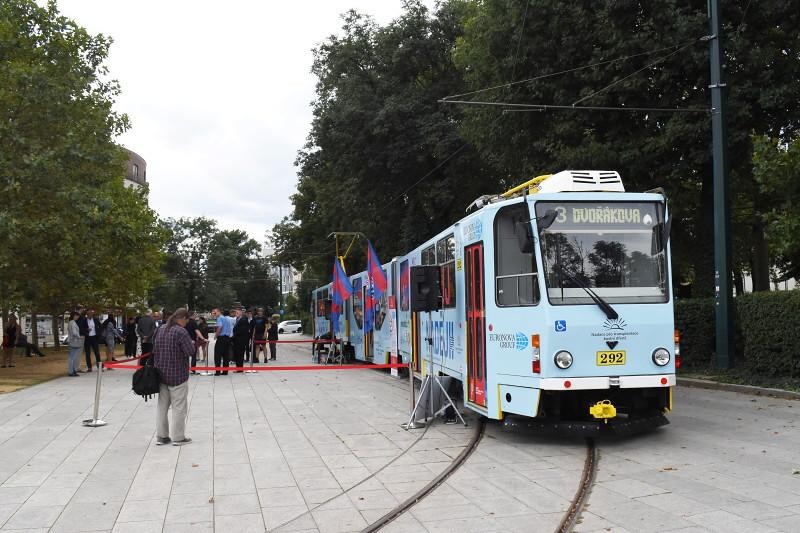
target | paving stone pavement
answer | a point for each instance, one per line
(726, 463)
(323, 452)
(278, 451)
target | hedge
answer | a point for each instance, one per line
(695, 320)
(767, 333)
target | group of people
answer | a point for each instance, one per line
(13, 339)
(175, 346)
(243, 336)
(85, 332)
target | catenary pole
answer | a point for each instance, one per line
(722, 245)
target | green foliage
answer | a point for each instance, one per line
(72, 232)
(768, 322)
(207, 267)
(776, 168)
(764, 322)
(694, 319)
(671, 150)
(377, 130)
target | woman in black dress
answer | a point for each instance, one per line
(272, 335)
(130, 337)
(202, 345)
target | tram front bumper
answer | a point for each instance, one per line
(607, 382)
(588, 428)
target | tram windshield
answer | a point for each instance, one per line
(617, 249)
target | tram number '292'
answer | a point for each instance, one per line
(443, 338)
(610, 358)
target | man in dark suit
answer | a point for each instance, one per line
(241, 337)
(89, 326)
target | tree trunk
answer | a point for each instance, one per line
(760, 258)
(703, 285)
(738, 281)
(56, 341)
(34, 328)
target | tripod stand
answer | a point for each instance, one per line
(429, 388)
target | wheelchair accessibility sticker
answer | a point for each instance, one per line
(561, 325)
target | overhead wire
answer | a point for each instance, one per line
(649, 65)
(744, 15)
(574, 69)
(464, 145)
(581, 108)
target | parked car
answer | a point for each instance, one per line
(290, 326)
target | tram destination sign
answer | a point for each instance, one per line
(609, 215)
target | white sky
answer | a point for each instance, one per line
(219, 95)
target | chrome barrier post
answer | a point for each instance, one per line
(96, 421)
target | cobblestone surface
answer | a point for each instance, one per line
(726, 463)
(324, 452)
(279, 451)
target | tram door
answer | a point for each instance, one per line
(476, 325)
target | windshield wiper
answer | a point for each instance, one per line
(611, 314)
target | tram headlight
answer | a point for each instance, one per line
(563, 359)
(661, 356)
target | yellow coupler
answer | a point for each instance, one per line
(603, 409)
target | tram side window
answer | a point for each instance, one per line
(515, 271)
(446, 257)
(322, 297)
(429, 255)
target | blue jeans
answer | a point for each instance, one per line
(73, 360)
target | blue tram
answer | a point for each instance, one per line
(556, 303)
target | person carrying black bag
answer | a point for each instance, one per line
(172, 351)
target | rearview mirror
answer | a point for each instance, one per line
(660, 237)
(546, 220)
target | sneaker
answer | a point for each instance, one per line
(72, 375)
(160, 441)
(185, 440)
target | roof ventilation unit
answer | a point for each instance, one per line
(582, 181)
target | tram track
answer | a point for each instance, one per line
(567, 523)
(584, 488)
(460, 459)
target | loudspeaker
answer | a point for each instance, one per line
(425, 293)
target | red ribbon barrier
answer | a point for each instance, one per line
(273, 368)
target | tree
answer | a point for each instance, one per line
(776, 167)
(649, 149)
(65, 209)
(380, 155)
(185, 268)
(207, 267)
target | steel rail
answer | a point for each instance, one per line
(430, 487)
(587, 480)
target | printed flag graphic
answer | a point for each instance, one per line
(341, 289)
(376, 286)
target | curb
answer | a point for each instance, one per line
(742, 389)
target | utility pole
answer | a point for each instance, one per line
(280, 290)
(723, 298)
